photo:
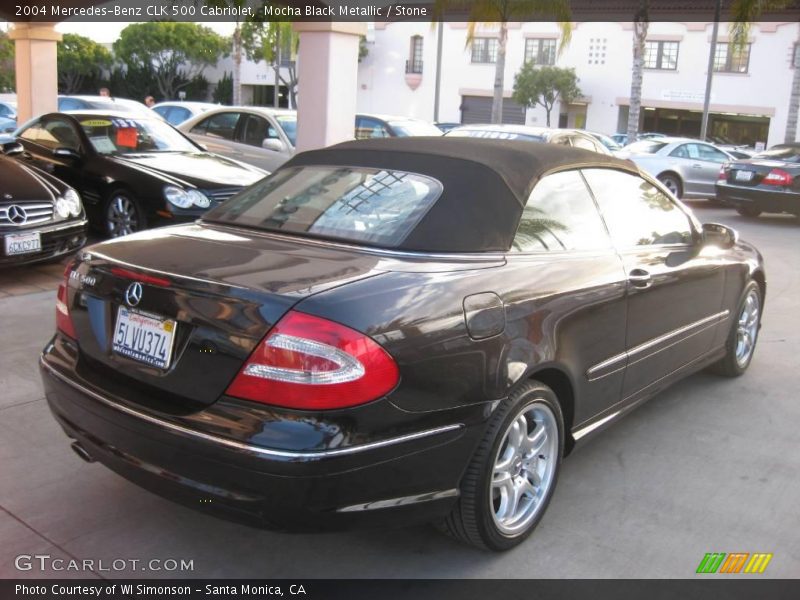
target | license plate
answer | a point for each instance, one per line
(144, 337)
(744, 175)
(23, 243)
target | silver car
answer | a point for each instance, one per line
(685, 166)
(259, 136)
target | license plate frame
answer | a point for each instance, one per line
(32, 236)
(743, 175)
(133, 342)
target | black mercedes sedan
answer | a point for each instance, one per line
(132, 172)
(768, 182)
(397, 330)
(41, 218)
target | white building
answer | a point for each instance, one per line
(749, 99)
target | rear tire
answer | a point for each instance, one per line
(748, 212)
(741, 343)
(673, 184)
(512, 476)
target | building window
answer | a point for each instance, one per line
(414, 62)
(484, 50)
(729, 59)
(597, 51)
(540, 51)
(661, 55)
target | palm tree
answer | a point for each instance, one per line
(744, 12)
(237, 45)
(501, 12)
(640, 25)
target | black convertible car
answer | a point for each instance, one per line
(41, 218)
(132, 172)
(395, 330)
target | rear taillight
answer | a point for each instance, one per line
(723, 173)
(63, 318)
(311, 363)
(778, 177)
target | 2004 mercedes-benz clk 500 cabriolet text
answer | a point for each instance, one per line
(391, 331)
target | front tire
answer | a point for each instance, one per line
(122, 215)
(512, 476)
(673, 184)
(742, 338)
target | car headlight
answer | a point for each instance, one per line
(177, 196)
(199, 198)
(68, 204)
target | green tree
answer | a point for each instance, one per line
(223, 93)
(501, 12)
(745, 12)
(7, 78)
(237, 50)
(275, 42)
(545, 86)
(176, 52)
(79, 58)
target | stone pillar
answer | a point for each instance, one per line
(328, 82)
(36, 72)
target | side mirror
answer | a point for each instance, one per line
(12, 148)
(716, 234)
(66, 153)
(273, 144)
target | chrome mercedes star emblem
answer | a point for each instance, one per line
(16, 214)
(133, 295)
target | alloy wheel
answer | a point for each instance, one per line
(747, 328)
(524, 469)
(121, 217)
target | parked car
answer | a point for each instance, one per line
(8, 109)
(176, 113)
(622, 138)
(395, 331)
(132, 172)
(7, 125)
(41, 217)
(370, 126)
(685, 166)
(768, 182)
(565, 137)
(607, 141)
(445, 127)
(103, 103)
(744, 152)
(264, 137)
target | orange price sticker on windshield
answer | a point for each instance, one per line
(127, 137)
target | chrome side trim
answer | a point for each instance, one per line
(403, 501)
(579, 433)
(591, 373)
(241, 446)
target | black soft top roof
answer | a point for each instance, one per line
(486, 183)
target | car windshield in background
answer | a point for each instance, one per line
(414, 128)
(289, 125)
(113, 135)
(646, 146)
(495, 135)
(369, 206)
(789, 154)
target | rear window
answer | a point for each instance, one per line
(495, 135)
(785, 153)
(367, 206)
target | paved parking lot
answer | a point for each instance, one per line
(711, 465)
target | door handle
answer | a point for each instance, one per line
(696, 166)
(640, 278)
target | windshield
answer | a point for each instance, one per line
(413, 128)
(607, 141)
(114, 135)
(495, 135)
(289, 125)
(371, 206)
(784, 153)
(645, 146)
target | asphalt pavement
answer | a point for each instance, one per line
(711, 465)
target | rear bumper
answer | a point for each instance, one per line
(57, 240)
(764, 200)
(403, 479)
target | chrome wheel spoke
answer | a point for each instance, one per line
(747, 328)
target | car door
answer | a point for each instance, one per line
(675, 292)
(699, 167)
(40, 140)
(259, 142)
(216, 133)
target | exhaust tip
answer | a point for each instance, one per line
(81, 451)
